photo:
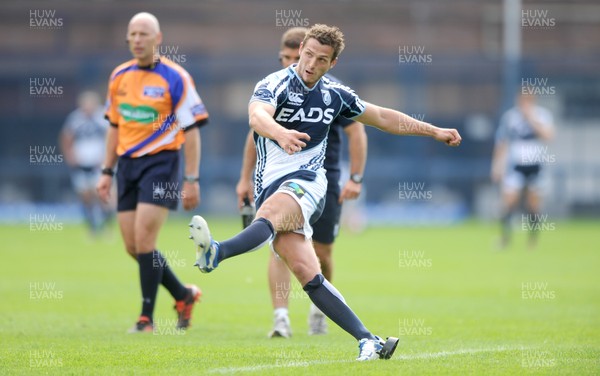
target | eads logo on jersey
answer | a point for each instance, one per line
(295, 188)
(314, 115)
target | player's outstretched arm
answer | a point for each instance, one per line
(398, 123)
(244, 188)
(261, 120)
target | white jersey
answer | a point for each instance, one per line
(524, 146)
(89, 137)
(307, 110)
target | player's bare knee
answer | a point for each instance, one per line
(144, 246)
(145, 241)
(303, 271)
(268, 212)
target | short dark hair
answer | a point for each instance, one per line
(293, 37)
(327, 35)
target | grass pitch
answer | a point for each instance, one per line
(458, 306)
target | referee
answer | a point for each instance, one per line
(153, 109)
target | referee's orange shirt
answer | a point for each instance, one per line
(151, 106)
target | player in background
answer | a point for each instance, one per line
(326, 228)
(153, 109)
(517, 160)
(290, 112)
(82, 141)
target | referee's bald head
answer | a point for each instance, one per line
(147, 18)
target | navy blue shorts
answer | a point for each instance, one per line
(152, 179)
(326, 229)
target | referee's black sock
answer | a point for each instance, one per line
(329, 300)
(150, 278)
(252, 237)
(169, 279)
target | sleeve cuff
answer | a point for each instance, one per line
(198, 124)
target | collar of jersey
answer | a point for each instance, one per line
(293, 70)
(151, 66)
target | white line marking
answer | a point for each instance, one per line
(435, 355)
(443, 354)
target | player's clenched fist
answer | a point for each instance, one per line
(448, 136)
(292, 141)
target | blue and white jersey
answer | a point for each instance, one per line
(334, 145)
(524, 146)
(89, 137)
(307, 110)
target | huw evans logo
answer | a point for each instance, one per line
(413, 55)
(290, 18)
(44, 19)
(537, 86)
(172, 53)
(45, 87)
(44, 155)
(537, 18)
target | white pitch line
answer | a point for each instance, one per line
(298, 364)
(443, 354)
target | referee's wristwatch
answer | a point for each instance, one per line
(357, 178)
(191, 179)
(107, 171)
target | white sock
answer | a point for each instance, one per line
(280, 312)
(315, 310)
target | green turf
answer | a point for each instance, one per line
(459, 306)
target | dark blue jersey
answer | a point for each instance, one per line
(334, 143)
(307, 110)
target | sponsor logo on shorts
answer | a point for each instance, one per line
(293, 187)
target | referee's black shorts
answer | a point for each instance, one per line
(152, 179)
